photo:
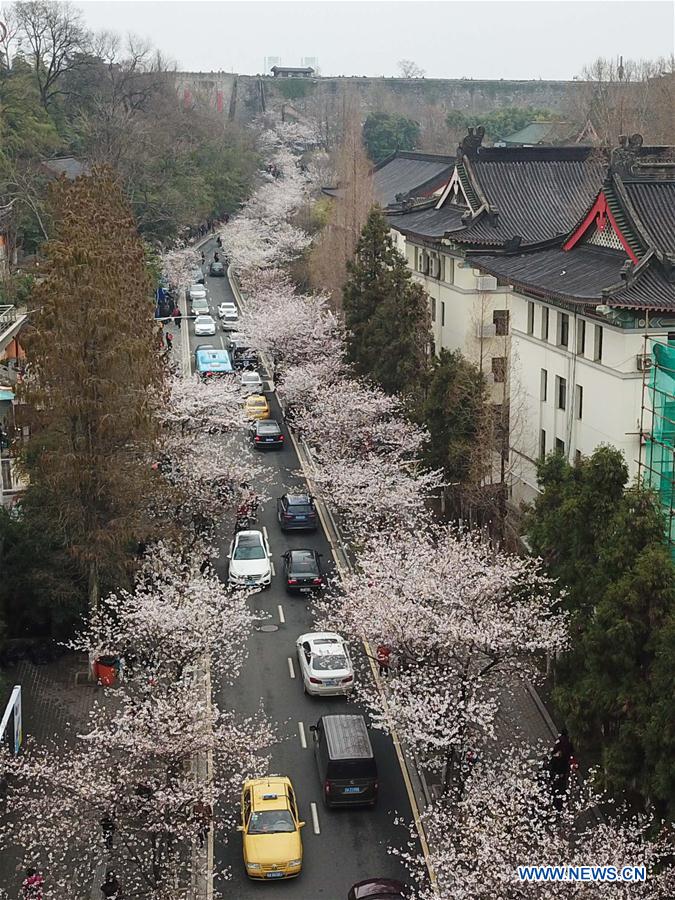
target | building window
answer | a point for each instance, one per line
(542, 444)
(544, 323)
(441, 267)
(597, 344)
(560, 446)
(530, 317)
(561, 391)
(432, 304)
(449, 274)
(579, 402)
(563, 329)
(581, 336)
(499, 369)
(577, 457)
(442, 313)
(543, 391)
(500, 318)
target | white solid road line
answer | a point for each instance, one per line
(272, 568)
(281, 614)
(222, 342)
(291, 667)
(301, 732)
(264, 530)
(315, 818)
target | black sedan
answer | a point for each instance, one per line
(297, 512)
(217, 270)
(377, 889)
(302, 571)
(266, 434)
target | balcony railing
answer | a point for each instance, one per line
(7, 316)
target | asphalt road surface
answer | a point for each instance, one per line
(348, 845)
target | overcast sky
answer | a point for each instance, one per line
(542, 39)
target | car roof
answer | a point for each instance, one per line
(303, 552)
(255, 399)
(254, 375)
(249, 537)
(269, 793)
(268, 425)
(378, 887)
(347, 737)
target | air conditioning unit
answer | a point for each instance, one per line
(486, 283)
(644, 362)
(486, 331)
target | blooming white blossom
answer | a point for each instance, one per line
(178, 266)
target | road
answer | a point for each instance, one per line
(350, 844)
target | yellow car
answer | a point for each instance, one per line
(271, 828)
(257, 407)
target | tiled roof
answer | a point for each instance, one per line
(579, 274)
(537, 199)
(413, 174)
(654, 203)
(429, 222)
(651, 290)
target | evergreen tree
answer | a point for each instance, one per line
(386, 313)
(385, 133)
(95, 379)
(452, 412)
(606, 546)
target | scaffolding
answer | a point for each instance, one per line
(657, 427)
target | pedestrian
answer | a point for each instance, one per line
(227, 218)
(559, 773)
(111, 886)
(32, 885)
(203, 815)
(566, 747)
(108, 829)
(383, 654)
(203, 257)
(219, 241)
(216, 257)
(177, 315)
(169, 341)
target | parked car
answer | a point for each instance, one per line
(377, 889)
(197, 276)
(297, 511)
(245, 359)
(228, 312)
(325, 665)
(251, 382)
(302, 571)
(270, 827)
(200, 307)
(266, 434)
(217, 270)
(205, 325)
(257, 407)
(249, 560)
(345, 760)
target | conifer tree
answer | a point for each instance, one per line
(386, 314)
(95, 378)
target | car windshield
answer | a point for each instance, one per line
(204, 320)
(329, 663)
(268, 428)
(271, 822)
(249, 548)
(258, 401)
(300, 509)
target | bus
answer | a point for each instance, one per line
(210, 361)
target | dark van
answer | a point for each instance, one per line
(345, 760)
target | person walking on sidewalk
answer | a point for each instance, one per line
(108, 829)
(111, 886)
(169, 340)
(176, 315)
(203, 815)
(33, 885)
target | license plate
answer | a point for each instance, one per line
(305, 590)
(275, 875)
(352, 790)
(301, 518)
(331, 682)
(269, 440)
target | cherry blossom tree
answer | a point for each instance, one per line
(506, 819)
(461, 618)
(133, 763)
(178, 266)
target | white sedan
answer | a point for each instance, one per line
(249, 560)
(251, 383)
(205, 325)
(228, 311)
(325, 664)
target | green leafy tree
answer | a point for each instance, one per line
(453, 412)
(499, 122)
(385, 133)
(386, 313)
(96, 380)
(606, 545)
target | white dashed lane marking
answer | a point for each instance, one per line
(315, 818)
(301, 732)
(282, 618)
(291, 667)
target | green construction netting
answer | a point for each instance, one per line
(660, 449)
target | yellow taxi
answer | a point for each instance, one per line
(270, 827)
(257, 407)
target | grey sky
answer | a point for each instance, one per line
(543, 39)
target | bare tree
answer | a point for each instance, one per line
(410, 69)
(335, 247)
(57, 39)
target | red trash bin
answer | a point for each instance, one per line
(105, 669)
